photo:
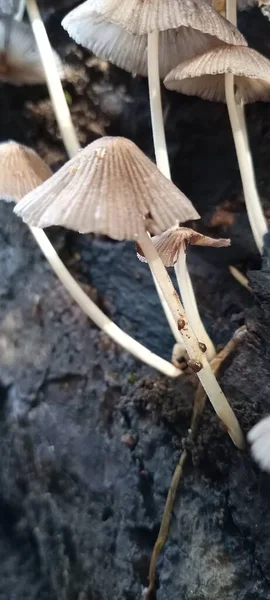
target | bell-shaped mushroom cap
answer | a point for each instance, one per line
(20, 63)
(108, 188)
(144, 17)
(111, 42)
(204, 75)
(168, 244)
(259, 438)
(21, 170)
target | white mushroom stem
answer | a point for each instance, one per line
(197, 359)
(95, 314)
(162, 161)
(53, 80)
(189, 301)
(256, 217)
(254, 210)
(160, 145)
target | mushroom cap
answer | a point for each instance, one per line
(204, 75)
(111, 188)
(128, 51)
(168, 244)
(20, 63)
(259, 437)
(21, 170)
(143, 17)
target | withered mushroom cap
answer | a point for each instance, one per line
(144, 17)
(204, 75)
(169, 243)
(21, 170)
(20, 63)
(112, 42)
(108, 188)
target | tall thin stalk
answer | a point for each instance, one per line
(162, 161)
(236, 113)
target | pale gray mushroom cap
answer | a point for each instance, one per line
(21, 64)
(111, 42)
(204, 75)
(144, 17)
(169, 243)
(21, 170)
(8, 7)
(109, 188)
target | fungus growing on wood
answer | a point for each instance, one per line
(145, 38)
(22, 170)
(110, 187)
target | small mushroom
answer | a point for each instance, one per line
(22, 170)
(110, 187)
(172, 248)
(248, 72)
(259, 438)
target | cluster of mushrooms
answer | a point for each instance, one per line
(110, 187)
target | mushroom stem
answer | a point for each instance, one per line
(254, 210)
(256, 217)
(190, 304)
(156, 105)
(197, 359)
(95, 314)
(162, 161)
(56, 92)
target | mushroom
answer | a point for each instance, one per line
(146, 38)
(111, 188)
(172, 248)
(22, 170)
(249, 72)
(259, 438)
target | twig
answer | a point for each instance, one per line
(199, 403)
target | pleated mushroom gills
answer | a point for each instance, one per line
(118, 31)
(110, 187)
(169, 243)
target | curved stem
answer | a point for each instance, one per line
(256, 217)
(254, 210)
(54, 84)
(190, 304)
(95, 314)
(197, 359)
(163, 161)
